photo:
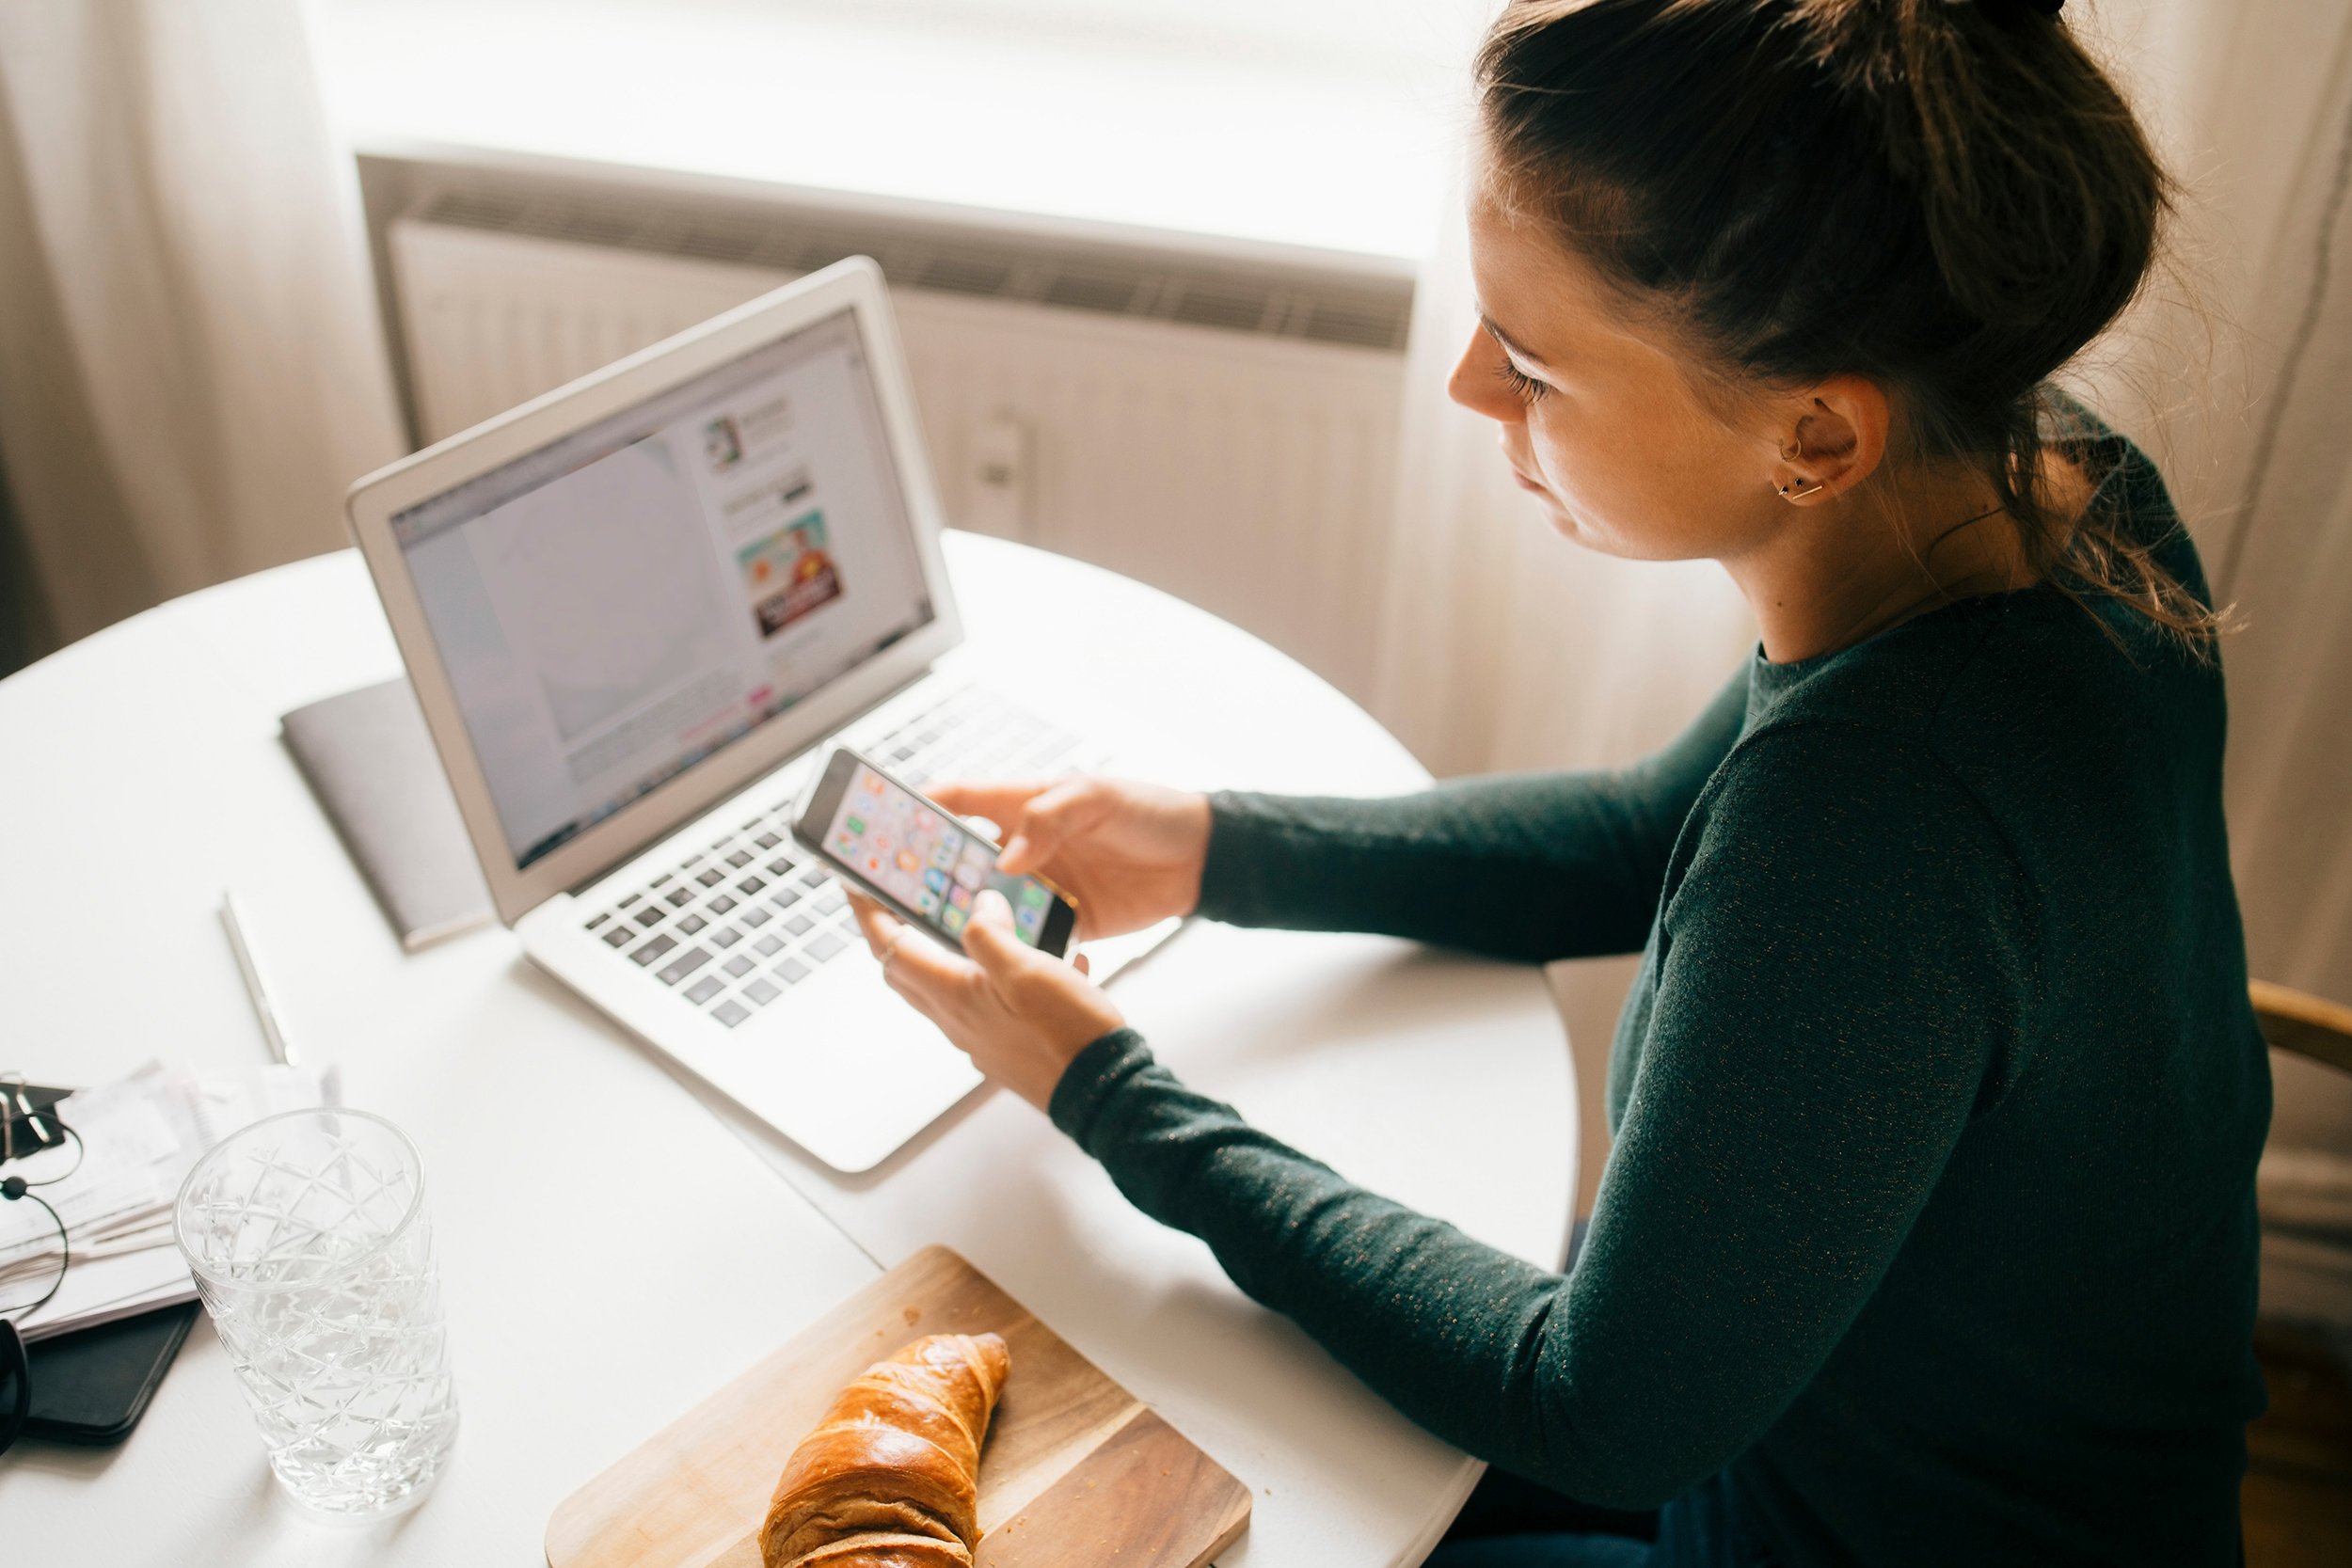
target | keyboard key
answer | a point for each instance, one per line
(684, 964)
(785, 899)
(651, 915)
(792, 969)
(654, 949)
(738, 966)
(749, 885)
(630, 899)
(704, 988)
(663, 881)
(678, 897)
(691, 862)
(720, 905)
(768, 947)
(831, 899)
(761, 991)
(780, 866)
(738, 860)
(813, 877)
(754, 917)
(730, 1012)
(620, 936)
(690, 924)
(600, 920)
(711, 877)
(825, 946)
(767, 840)
(725, 936)
(800, 925)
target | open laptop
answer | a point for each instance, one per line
(635, 611)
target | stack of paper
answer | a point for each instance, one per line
(140, 1137)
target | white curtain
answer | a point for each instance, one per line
(191, 371)
(1507, 647)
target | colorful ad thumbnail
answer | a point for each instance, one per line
(790, 574)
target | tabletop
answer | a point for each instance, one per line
(607, 1256)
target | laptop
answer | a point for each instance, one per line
(638, 611)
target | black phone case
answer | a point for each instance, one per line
(93, 1385)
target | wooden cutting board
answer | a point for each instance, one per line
(1076, 1470)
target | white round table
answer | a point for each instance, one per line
(607, 1256)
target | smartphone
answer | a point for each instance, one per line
(918, 858)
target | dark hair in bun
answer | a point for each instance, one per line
(1950, 199)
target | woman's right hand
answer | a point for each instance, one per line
(1130, 853)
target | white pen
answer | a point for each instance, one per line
(253, 987)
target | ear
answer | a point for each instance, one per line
(1835, 439)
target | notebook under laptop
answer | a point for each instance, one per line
(635, 610)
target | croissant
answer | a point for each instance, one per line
(890, 1478)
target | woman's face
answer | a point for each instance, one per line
(1599, 417)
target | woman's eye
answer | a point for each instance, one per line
(1523, 386)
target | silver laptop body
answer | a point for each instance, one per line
(637, 610)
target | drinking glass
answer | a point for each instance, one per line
(307, 1237)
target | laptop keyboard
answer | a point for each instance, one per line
(734, 925)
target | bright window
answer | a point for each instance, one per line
(1327, 123)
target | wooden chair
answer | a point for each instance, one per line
(2306, 1025)
(2296, 1501)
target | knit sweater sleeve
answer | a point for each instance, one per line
(1529, 865)
(1835, 990)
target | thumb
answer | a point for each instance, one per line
(988, 935)
(1048, 820)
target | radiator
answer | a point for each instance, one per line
(1228, 437)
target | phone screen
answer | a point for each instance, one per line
(924, 858)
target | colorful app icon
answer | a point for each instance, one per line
(1028, 919)
(935, 879)
(1033, 894)
(927, 902)
(909, 861)
(873, 864)
(857, 825)
(953, 918)
(958, 896)
(873, 782)
(944, 853)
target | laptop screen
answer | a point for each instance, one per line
(615, 607)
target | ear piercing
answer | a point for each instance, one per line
(1797, 487)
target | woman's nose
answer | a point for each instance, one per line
(1476, 385)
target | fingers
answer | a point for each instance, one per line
(989, 938)
(914, 966)
(925, 972)
(998, 799)
(879, 925)
(1053, 817)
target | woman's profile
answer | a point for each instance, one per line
(1928, 1235)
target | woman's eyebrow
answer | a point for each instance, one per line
(1507, 340)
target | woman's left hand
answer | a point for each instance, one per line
(1021, 1015)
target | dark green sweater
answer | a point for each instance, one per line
(1930, 1218)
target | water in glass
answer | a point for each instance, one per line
(307, 1237)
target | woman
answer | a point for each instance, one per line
(1928, 1235)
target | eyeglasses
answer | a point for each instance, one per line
(37, 1149)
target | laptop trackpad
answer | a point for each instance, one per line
(854, 1073)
